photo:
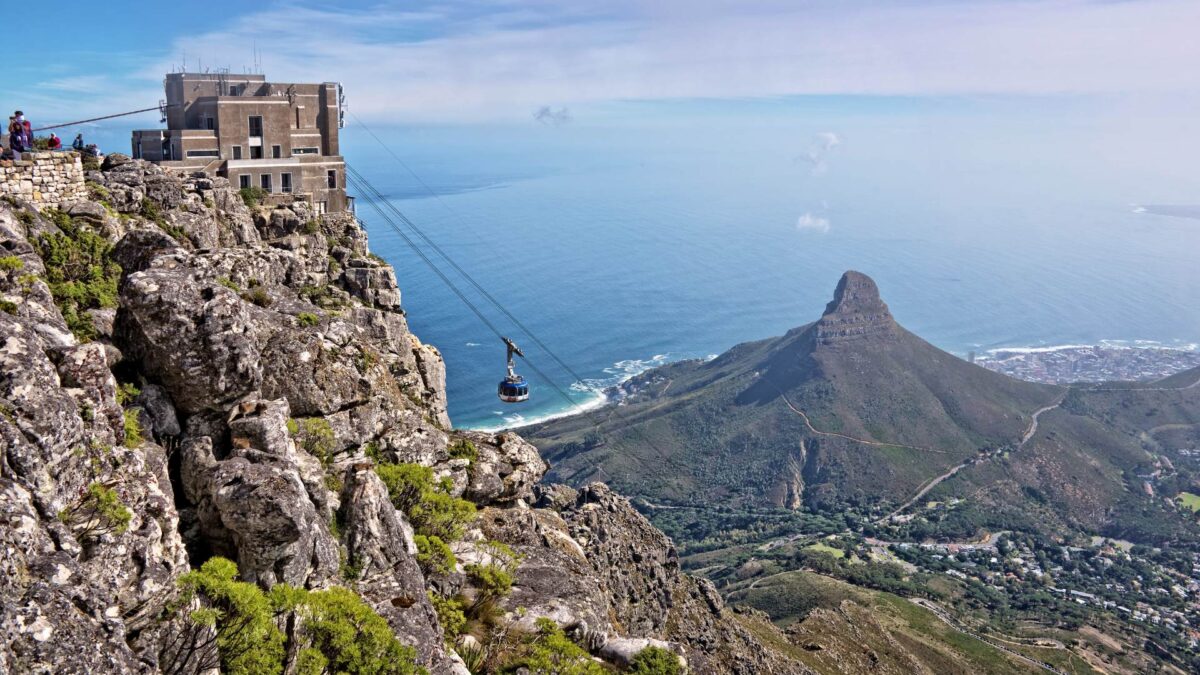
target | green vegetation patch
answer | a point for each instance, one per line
(430, 507)
(99, 511)
(337, 632)
(80, 272)
(1189, 500)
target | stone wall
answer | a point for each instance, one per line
(43, 179)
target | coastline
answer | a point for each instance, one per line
(602, 392)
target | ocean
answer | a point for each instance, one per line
(625, 249)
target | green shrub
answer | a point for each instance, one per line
(308, 319)
(293, 426)
(97, 512)
(655, 661)
(11, 263)
(151, 212)
(351, 637)
(372, 451)
(551, 652)
(312, 227)
(366, 360)
(430, 507)
(257, 295)
(434, 556)
(316, 437)
(8, 306)
(337, 631)
(126, 392)
(133, 428)
(252, 195)
(80, 272)
(492, 581)
(248, 642)
(350, 567)
(230, 284)
(450, 615)
(464, 449)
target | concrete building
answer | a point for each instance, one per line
(282, 138)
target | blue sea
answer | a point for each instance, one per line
(623, 247)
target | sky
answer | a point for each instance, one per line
(483, 61)
(1107, 86)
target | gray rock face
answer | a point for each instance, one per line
(856, 312)
(255, 506)
(273, 359)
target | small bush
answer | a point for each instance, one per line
(230, 284)
(450, 615)
(551, 651)
(8, 306)
(80, 272)
(308, 319)
(655, 661)
(351, 637)
(97, 512)
(252, 195)
(373, 452)
(293, 426)
(151, 212)
(133, 428)
(429, 505)
(464, 449)
(434, 556)
(366, 360)
(312, 227)
(492, 581)
(258, 296)
(126, 392)
(247, 639)
(11, 263)
(316, 437)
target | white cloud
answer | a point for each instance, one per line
(482, 60)
(819, 149)
(810, 223)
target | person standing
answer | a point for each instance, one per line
(27, 131)
(16, 135)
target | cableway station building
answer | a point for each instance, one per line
(282, 138)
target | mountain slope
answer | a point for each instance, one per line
(848, 409)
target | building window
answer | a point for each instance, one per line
(256, 152)
(265, 181)
(237, 152)
(332, 177)
(306, 151)
(203, 153)
(256, 127)
(322, 207)
(276, 151)
(210, 123)
(285, 181)
(244, 181)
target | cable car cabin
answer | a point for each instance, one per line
(513, 390)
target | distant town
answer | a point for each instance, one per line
(1099, 363)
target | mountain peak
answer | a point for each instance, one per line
(855, 312)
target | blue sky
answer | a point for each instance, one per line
(492, 60)
(1117, 78)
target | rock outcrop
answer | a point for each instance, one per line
(214, 379)
(856, 312)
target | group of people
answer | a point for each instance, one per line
(20, 138)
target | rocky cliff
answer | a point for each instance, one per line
(185, 376)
